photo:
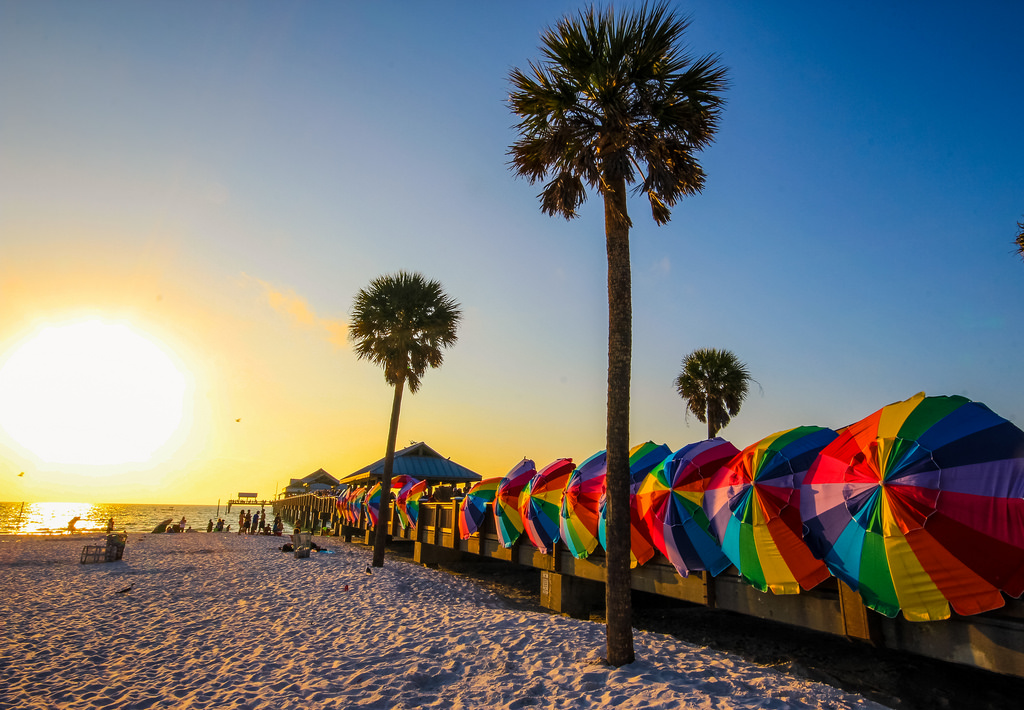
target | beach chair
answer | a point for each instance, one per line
(302, 543)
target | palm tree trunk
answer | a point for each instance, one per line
(380, 536)
(618, 588)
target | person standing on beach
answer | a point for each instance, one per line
(255, 525)
(247, 523)
(110, 526)
(241, 521)
(181, 525)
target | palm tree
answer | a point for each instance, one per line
(613, 98)
(401, 322)
(714, 384)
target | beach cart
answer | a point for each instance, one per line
(112, 551)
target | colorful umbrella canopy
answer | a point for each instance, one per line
(355, 505)
(373, 499)
(920, 506)
(474, 505)
(344, 503)
(372, 503)
(507, 519)
(408, 503)
(580, 514)
(540, 502)
(753, 503)
(671, 501)
(643, 458)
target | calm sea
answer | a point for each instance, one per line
(53, 518)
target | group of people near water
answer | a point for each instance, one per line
(255, 523)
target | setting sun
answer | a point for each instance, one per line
(91, 393)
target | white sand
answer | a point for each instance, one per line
(222, 621)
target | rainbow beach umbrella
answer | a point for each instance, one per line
(507, 520)
(540, 502)
(408, 503)
(920, 507)
(355, 504)
(474, 505)
(372, 504)
(671, 501)
(753, 503)
(580, 514)
(643, 458)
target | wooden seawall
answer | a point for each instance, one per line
(993, 641)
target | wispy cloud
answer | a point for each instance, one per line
(290, 304)
(662, 267)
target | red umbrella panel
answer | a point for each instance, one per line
(753, 504)
(540, 503)
(920, 508)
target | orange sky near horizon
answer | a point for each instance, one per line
(254, 352)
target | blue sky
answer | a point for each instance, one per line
(228, 175)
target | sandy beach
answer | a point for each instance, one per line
(226, 621)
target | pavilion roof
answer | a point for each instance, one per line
(419, 461)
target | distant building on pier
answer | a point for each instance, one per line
(319, 480)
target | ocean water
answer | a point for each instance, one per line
(53, 518)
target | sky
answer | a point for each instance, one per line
(222, 179)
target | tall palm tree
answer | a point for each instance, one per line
(616, 101)
(714, 384)
(401, 322)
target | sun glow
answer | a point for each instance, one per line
(91, 393)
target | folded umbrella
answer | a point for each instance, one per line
(540, 502)
(507, 519)
(580, 513)
(474, 505)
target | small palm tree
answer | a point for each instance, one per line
(714, 384)
(616, 97)
(401, 322)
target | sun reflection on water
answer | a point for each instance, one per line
(50, 518)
